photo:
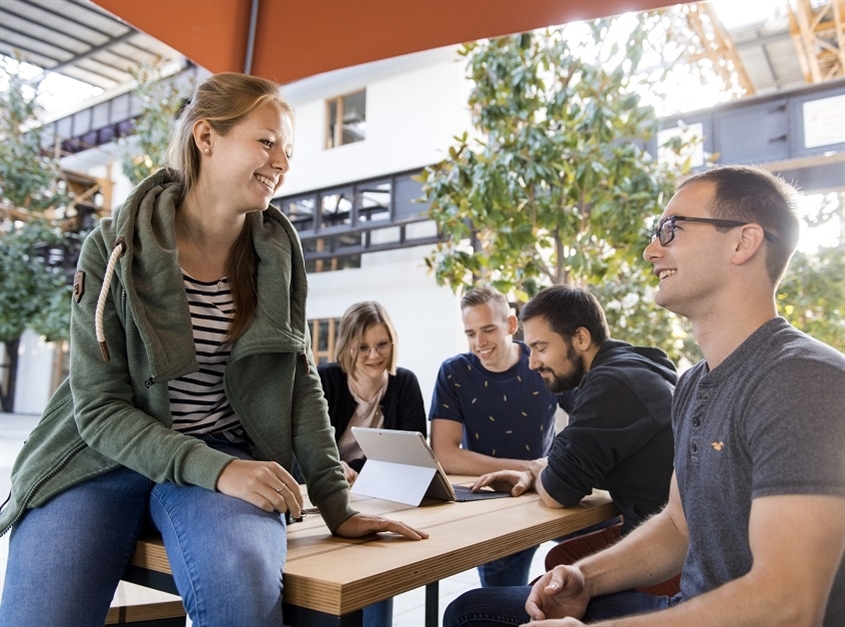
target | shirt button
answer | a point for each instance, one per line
(696, 422)
(694, 447)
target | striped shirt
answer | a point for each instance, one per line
(197, 400)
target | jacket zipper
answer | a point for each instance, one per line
(38, 484)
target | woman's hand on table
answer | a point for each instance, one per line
(264, 484)
(360, 525)
(514, 481)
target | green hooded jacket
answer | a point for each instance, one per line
(117, 412)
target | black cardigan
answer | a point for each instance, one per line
(402, 405)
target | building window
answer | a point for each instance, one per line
(347, 119)
(338, 224)
(323, 335)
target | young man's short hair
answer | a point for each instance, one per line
(483, 295)
(750, 194)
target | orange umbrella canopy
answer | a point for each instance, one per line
(293, 39)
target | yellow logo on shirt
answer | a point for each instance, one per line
(717, 445)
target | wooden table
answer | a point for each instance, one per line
(329, 579)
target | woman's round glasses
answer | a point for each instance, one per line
(382, 348)
(665, 229)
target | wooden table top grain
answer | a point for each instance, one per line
(340, 575)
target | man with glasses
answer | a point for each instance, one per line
(665, 229)
(756, 514)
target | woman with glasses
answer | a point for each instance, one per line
(364, 388)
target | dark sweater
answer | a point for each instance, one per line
(619, 436)
(766, 421)
(402, 405)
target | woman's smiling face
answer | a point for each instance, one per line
(374, 352)
(249, 163)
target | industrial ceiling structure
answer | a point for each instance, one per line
(100, 43)
(78, 39)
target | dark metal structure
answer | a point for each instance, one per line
(78, 39)
(340, 223)
(798, 134)
(106, 121)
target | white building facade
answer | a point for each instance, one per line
(415, 105)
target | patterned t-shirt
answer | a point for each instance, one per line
(198, 401)
(507, 414)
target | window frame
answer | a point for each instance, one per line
(335, 139)
(322, 356)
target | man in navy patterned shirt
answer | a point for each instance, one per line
(490, 411)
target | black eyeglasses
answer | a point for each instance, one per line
(665, 229)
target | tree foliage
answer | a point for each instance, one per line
(33, 283)
(812, 293)
(30, 179)
(554, 184)
(34, 291)
(34, 288)
(145, 151)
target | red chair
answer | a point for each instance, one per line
(572, 550)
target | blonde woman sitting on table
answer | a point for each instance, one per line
(365, 388)
(192, 386)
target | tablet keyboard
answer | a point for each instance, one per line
(463, 493)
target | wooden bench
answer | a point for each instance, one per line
(144, 607)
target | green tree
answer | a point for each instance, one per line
(554, 184)
(34, 290)
(812, 293)
(30, 178)
(145, 150)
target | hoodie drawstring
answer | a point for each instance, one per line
(117, 253)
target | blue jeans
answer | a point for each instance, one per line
(379, 614)
(67, 557)
(494, 607)
(512, 570)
